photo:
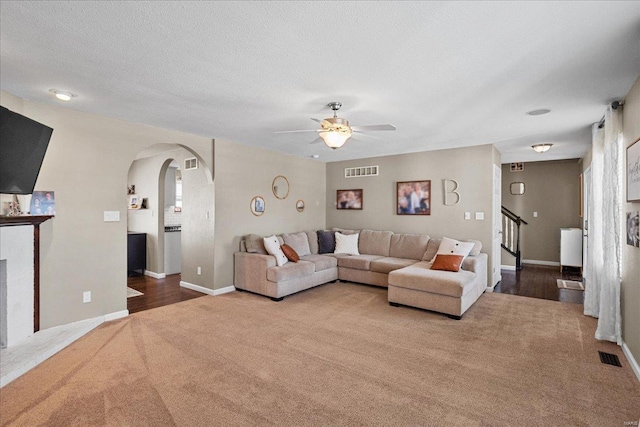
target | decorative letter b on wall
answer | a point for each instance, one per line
(448, 193)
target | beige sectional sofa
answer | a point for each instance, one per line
(400, 262)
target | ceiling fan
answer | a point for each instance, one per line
(335, 131)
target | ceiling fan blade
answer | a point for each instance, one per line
(316, 120)
(358, 132)
(317, 140)
(296, 131)
(373, 127)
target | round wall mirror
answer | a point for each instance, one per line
(300, 205)
(257, 205)
(280, 187)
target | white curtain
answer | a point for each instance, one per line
(603, 273)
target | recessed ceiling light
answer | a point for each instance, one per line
(316, 156)
(62, 95)
(539, 112)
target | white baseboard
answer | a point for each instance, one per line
(508, 267)
(632, 361)
(207, 291)
(533, 261)
(154, 275)
(116, 315)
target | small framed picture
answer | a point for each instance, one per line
(414, 198)
(349, 199)
(633, 172)
(257, 205)
(43, 203)
(135, 202)
(633, 229)
(517, 167)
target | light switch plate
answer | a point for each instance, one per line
(479, 216)
(86, 296)
(467, 215)
(111, 216)
(535, 214)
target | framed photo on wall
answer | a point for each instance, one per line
(349, 199)
(413, 198)
(633, 172)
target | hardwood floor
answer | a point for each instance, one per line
(157, 292)
(538, 281)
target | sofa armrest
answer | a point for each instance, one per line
(250, 271)
(478, 265)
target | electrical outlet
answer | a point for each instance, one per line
(467, 215)
(479, 216)
(535, 214)
(86, 297)
(199, 271)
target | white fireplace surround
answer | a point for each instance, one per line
(16, 284)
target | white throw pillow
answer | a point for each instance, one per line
(347, 244)
(453, 247)
(272, 245)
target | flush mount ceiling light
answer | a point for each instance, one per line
(539, 112)
(62, 95)
(541, 148)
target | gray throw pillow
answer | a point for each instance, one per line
(326, 242)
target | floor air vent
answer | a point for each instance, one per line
(609, 359)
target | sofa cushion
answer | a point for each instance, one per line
(411, 246)
(321, 262)
(420, 277)
(388, 264)
(312, 236)
(345, 231)
(374, 242)
(290, 271)
(254, 244)
(432, 249)
(445, 262)
(453, 247)
(299, 242)
(290, 253)
(477, 247)
(358, 262)
(272, 245)
(346, 244)
(326, 242)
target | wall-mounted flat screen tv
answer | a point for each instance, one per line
(23, 143)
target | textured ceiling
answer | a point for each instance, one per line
(447, 74)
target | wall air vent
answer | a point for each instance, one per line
(361, 171)
(191, 163)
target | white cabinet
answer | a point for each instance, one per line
(570, 247)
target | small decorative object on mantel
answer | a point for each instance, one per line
(349, 199)
(633, 172)
(300, 205)
(280, 187)
(414, 198)
(633, 229)
(135, 202)
(43, 203)
(131, 189)
(257, 205)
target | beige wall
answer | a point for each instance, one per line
(630, 292)
(472, 167)
(86, 165)
(197, 230)
(552, 189)
(242, 172)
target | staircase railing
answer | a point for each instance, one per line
(511, 234)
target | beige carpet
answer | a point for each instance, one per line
(334, 355)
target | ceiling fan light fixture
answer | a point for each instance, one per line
(335, 139)
(541, 148)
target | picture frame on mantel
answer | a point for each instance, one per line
(633, 172)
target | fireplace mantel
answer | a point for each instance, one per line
(35, 221)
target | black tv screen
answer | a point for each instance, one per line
(23, 143)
